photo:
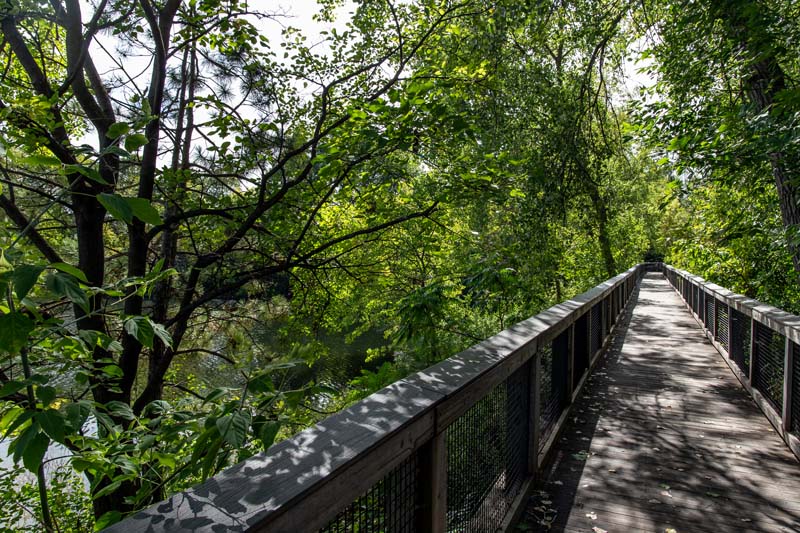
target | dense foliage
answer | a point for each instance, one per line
(195, 214)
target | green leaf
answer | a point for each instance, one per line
(117, 206)
(71, 270)
(141, 329)
(120, 410)
(113, 371)
(107, 519)
(65, 285)
(118, 129)
(108, 489)
(146, 442)
(5, 264)
(16, 421)
(144, 211)
(166, 460)
(11, 387)
(269, 430)
(46, 395)
(162, 334)
(14, 330)
(34, 451)
(135, 141)
(87, 172)
(24, 278)
(216, 394)
(52, 423)
(233, 427)
(78, 413)
(210, 458)
(41, 160)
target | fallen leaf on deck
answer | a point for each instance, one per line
(592, 516)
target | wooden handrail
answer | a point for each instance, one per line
(775, 319)
(301, 483)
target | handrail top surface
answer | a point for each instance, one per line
(773, 317)
(247, 494)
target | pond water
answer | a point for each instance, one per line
(335, 365)
(341, 363)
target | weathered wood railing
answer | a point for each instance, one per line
(759, 342)
(455, 447)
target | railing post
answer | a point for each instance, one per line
(535, 424)
(753, 346)
(788, 374)
(432, 485)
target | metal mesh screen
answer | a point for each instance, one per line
(597, 326)
(581, 350)
(389, 505)
(768, 364)
(487, 457)
(701, 304)
(709, 316)
(695, 298)
(722, 324)
(740, 340)
(613, 303)
(553, 383)
(794, 423)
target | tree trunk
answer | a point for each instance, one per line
(767, 80)
(746, 23)
(602, 231)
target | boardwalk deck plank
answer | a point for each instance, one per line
(665, 438)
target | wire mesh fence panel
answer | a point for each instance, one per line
(581, 351)
(768, 364)
(487, 456)
(389, 506)
(696, 298)
(721, 313)
(740, 340)
(709, 316)
(609, 315)
(553, 395)
(596, 341)
(794, 422)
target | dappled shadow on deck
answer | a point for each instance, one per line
(664, 438)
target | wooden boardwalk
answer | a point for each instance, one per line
(665, 439)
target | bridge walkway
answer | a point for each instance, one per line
(665, 439)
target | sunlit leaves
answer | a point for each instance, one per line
(146, 331)
(125, 209)
(14, 330)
